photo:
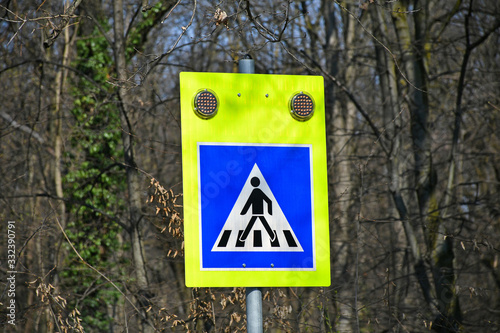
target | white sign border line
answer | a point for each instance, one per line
(313, 222)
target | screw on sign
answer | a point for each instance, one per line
(302, 107)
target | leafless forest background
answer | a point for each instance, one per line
(91, 171)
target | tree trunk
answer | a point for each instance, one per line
(393, 123)
(443, 302)
(133, 180)
(343, 117)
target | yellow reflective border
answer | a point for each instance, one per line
(253, 109)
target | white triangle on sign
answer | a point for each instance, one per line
(256, 222)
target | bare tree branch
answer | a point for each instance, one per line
(62, 25)
(97, 271)
(23, 128)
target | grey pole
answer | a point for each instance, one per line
(253, 295)
(246, 65)
(254, 310)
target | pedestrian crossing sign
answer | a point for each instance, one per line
(254, 179)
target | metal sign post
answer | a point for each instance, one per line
(253, 294)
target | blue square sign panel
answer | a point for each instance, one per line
(256, 206)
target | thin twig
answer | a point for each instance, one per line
(184, 30)
(14, 36)
(170, 12)
(97, 271)
(382, 44)
(61, 26)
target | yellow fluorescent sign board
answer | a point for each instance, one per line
(255, 182)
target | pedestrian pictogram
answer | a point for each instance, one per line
(257, 222)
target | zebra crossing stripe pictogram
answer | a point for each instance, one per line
(256, 221)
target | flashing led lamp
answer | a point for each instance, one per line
(302, 106)
(206, 104)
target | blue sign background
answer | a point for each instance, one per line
(223, 170)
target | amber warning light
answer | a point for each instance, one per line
(206, 104)
(302, 106)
